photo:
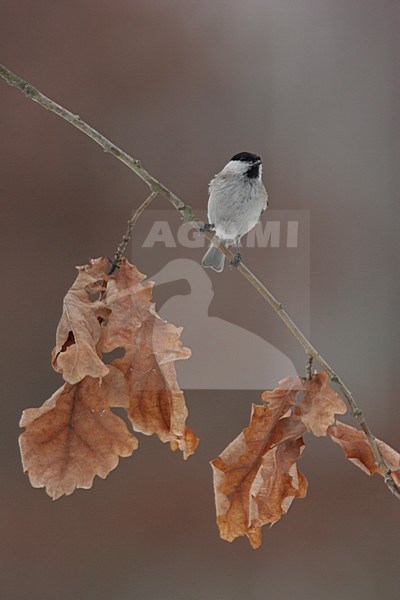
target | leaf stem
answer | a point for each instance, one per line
(188, 216)
(309, 367)
(126, 238)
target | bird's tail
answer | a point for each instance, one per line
(213, 258)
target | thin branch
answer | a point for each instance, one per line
(309, 367)
(188, 216)
(131, 224)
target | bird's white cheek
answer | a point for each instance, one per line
(235, 167)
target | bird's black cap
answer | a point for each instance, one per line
(247, 157)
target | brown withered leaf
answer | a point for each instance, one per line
(356, 448)
(256, 477)
(79, 331)
(187, 444)
(74, 435)
(127, 297)
(319, 405)
(286, 392)
(157, 404)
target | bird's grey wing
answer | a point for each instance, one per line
(214, 200)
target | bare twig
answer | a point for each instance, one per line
(131, 224)
(309, 367)
(188, 216)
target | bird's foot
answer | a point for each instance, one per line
(206, 227)
(235, 261)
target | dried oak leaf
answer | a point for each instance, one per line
(319, 405)
(356, 448)
(186, 443)
(74, 435)
(156, 403)
(80, 328)
(256, 477)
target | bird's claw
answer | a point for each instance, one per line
(235, 261)
(206, 227)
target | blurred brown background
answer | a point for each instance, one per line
(311, 85)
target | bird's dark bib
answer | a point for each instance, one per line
(253, 172)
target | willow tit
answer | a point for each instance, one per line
(237, 199)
